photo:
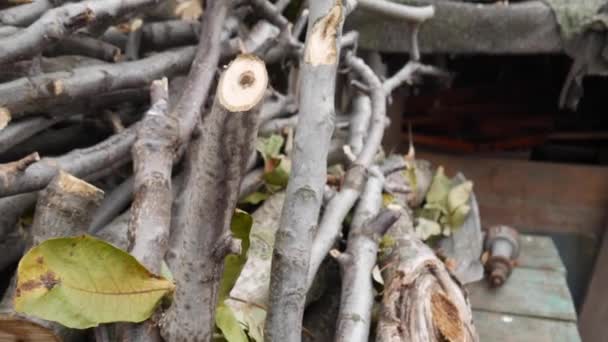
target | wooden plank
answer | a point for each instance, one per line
(533, 196)
(539, 252)
(594, 314)
(507, 328)
(528, 292)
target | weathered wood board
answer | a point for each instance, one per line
(594, 314)
(534, 304)
(539, 252)
(496, 327)
(529, 292)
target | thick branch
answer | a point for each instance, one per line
(32, 94)
(26, 14)
(215, 166)
(85, 46)
(421, 301)
(64, 208)
(60, 22)
(340, 205)
(153, 154)
(304, 192)
(203, 69)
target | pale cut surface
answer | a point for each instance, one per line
(243, 83)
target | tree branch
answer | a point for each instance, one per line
(367, 227)
(26, 14)
(78, 162)
(58, 23)
(397, 11)
(215, 166)
(355, 178)
(17, 132)
(203, 69)
(153, 153)
(304, 192)
(29, 95)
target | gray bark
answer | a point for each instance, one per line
(215, 165)
(355, 178)
(153, 153)
(305, 189)
(357, 262)
(60, 22)
(359, 122)
(17, 132)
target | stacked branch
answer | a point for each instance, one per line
(215, 166)
(126, 95)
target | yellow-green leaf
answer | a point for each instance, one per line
(255, 198)
(459, 195)
(427, 228)
(225, 319)
(440, 187)
(229, 325)
(81, 282)
(240, 226)
(276, 171)
(269, 147)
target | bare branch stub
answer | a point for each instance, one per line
(215, 166)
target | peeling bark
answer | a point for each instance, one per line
(215, 165)
(421, 301)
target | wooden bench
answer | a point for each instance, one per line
(534, 304)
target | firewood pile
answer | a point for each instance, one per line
(233, 149)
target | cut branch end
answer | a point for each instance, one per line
(243, 84)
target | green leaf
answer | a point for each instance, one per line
(255, 198)
(233, 264)
(459, 215)
(81, 282)
(229, 325)
(253, 318)
(270, 147)
(440, 187)
(276, 171)
(459, 195)
(427, 228)
(225, 319)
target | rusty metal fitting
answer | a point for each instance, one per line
(502, 245)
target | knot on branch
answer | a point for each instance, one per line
(226, 245)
